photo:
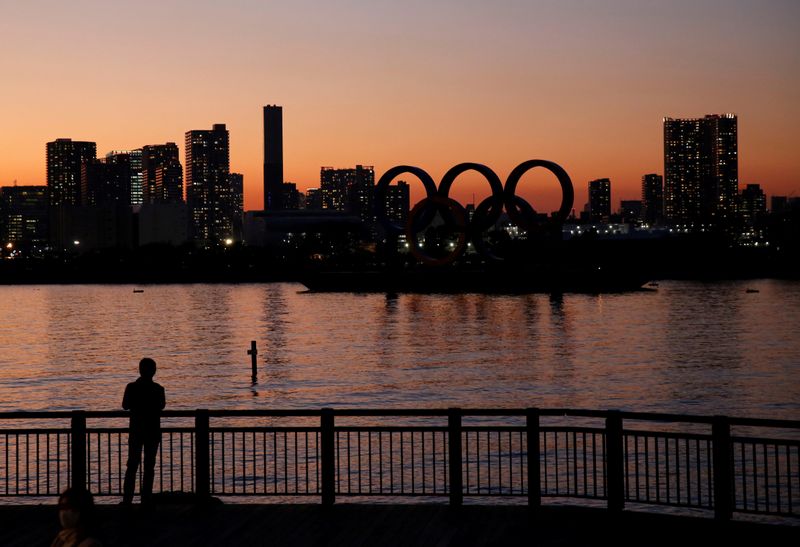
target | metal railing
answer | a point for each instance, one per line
(618, 457)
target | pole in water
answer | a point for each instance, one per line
(253, 352)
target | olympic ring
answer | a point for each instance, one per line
(510, 200)
(381, 190)
(486, 214)
(452, 212)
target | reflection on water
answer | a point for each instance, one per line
(688, 347)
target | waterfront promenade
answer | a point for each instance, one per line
(387, 525)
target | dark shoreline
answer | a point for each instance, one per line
(671, 258)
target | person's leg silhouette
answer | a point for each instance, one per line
(134, 459)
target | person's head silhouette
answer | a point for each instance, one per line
(147, 368)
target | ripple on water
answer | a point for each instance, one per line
(687, 347)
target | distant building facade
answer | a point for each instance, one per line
(162, 174)
(600, 200)
(652, 199)
(134, 159)
(398, 202)
(23, 215)
(208, 191)
(313, 199)
(291, 196)
(233, 206)
(753, 203)
(164, 223)
(64, 159)
(701, 169)
(630, 210)
(104, 183)
(351, 190)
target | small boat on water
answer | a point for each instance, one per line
(138, 290)
(751, 290)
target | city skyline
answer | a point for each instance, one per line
(586, 86)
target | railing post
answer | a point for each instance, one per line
(534, 460)
(723, 472)
(202, 462)
(327, 457)
(78, 441)
(454, 456)
(615, 470)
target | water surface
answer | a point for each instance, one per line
(685, 347)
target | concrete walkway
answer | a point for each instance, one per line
(386, 525)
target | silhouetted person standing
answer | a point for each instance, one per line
(145, 399)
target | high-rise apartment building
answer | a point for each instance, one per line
(23, 215)
(273, 158)
(351, 190)
(104, 183)
(398, 202)
(64, 159)
(134, 159)
(208, 190)
(600, 200)
(652, 198)
(234, 205)
(162, 174)
(701, 169)
(753, 203)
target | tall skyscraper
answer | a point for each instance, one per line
(652, 198)
(64, 159)
(208, 184)
(701, 169)
(162, 175)
(134, 159)
(273, 158)
(600, 200)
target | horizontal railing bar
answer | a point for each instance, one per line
(566, 495)
(265, 429)
(267, 494)
(764, 440)
(398, 428)
(429, 412)
(27, 431)
(571, 429)
(666, 434)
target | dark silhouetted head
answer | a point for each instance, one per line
(75, 508)
(147, 368)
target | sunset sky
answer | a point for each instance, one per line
(429, 83)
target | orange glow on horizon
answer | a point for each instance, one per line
(428, 85)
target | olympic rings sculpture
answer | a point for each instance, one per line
(453, 213)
